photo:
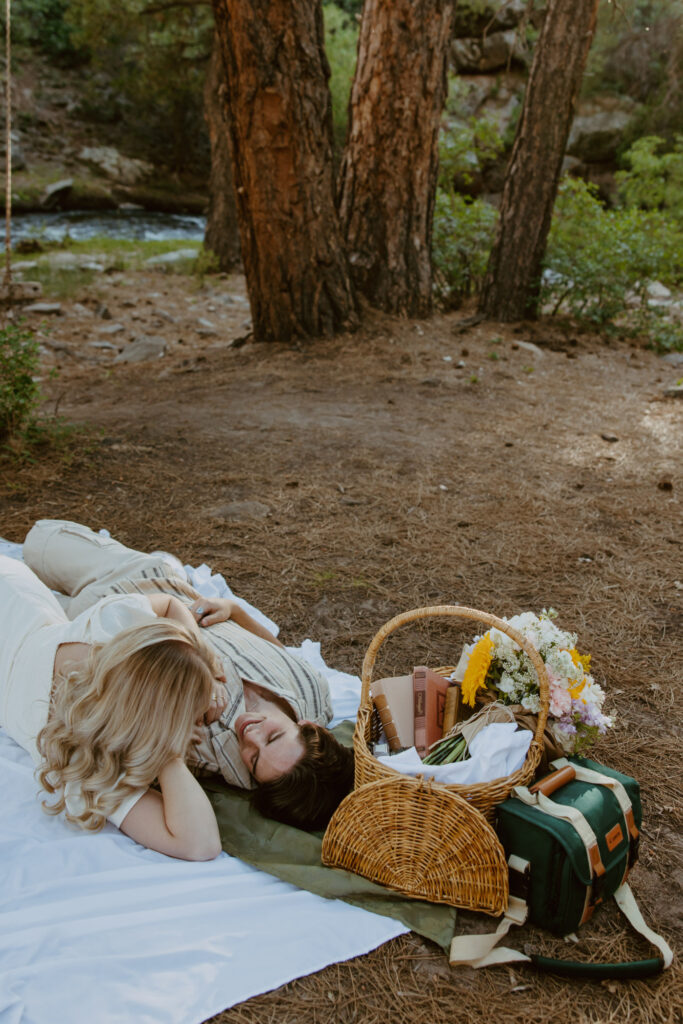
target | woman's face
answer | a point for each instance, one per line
(270, 742)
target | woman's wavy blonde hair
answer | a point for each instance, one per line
(118, 719)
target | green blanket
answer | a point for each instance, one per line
(294, 856)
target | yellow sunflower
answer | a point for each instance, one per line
(477, 667)
(584, 660)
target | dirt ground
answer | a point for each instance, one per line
(413, 463)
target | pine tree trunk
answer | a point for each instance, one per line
(222, 234)
(387, 180)
(511, 286)
(281, 132)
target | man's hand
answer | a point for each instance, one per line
(210, 610)
(207, 611)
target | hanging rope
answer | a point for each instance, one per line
(7, 280)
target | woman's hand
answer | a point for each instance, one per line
(210, 610)
(219, 702)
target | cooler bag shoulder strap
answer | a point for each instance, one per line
(480, 950)
(626, 902)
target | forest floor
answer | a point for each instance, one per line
(411, 463)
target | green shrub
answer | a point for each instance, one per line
(42, 24)
(352, 7)
(599, 264)
(19, 392)
(465, 149)
(653, 181)
(462, 237)
(637, 52)
(148, 68)
(341, 43)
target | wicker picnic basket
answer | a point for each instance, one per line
(425, 839)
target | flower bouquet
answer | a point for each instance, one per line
(493, 662)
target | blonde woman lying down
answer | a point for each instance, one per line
(108, 703)
(269, 736)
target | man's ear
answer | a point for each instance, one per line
(305, 721)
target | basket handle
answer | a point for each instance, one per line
(462, 612)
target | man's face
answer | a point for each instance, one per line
(270, 742)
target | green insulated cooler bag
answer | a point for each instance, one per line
(571, 840)
(579, 838)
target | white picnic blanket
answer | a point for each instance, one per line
(95, 928)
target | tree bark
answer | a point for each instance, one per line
(222, 233)
(512, 282)
(280, 120)
(387, 179)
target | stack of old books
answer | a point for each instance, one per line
(416, 710)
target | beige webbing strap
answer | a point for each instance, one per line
(598, 779)
(479, 950)
(626, 902)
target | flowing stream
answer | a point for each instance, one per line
(141, 224)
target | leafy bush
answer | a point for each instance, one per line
(638, 51)
(353, 7)
(462, 238)
(465, 149)
(42, 24)
(19, 392)
(341, 43)
(149, 64)
(654, 181)
(463, 227)
(600, 264)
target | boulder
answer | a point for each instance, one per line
(20, 291)
(143, 348)
(110, 329)
(488, 53)
(53, 308)
(596, 137)
(121, 168)
(473, 17)
(56, 195)
(659, 291)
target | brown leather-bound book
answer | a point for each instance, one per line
(451, 710)
(393, 698)
(429, 695)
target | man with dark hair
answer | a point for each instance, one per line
(271, 732)
(309, 793)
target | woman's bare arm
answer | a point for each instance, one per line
(168, 607)
(70, 657)
(179, 821)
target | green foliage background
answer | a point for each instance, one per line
(19, 391)
(151, 62)
(146, 70)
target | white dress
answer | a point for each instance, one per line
(32, 626)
